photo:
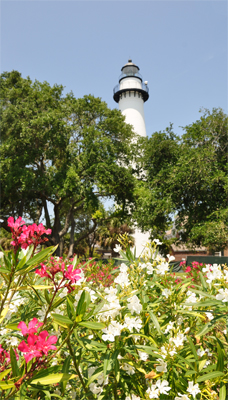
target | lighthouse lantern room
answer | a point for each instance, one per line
(131, 93)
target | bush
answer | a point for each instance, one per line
(137, 335)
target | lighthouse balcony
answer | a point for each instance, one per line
(119, 89)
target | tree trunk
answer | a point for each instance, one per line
(71, 247)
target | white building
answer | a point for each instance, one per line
(131, 94)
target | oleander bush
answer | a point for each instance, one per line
(142, 333)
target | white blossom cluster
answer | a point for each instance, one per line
(123, 278)
(160, 387)
(97, 388)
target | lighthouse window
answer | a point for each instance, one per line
(134, 94)
(138, 94)
(124, 94)
(129, 94)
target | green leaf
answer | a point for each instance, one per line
(155, 322)
(193, 348)
(221, 359)
(106, 363)
(222, 392)
(53, 378)
(210, 376)
(70, 309)
(62, 321)
(23, 391)
(92, 325)
(13, 361)
(204, 284)
(5, 385)
(206, 328)
(4, 270)
(42, 255)
(95, 375)
(4, 373)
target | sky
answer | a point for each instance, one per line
(179, 46)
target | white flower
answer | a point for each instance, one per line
(143, 356)
(200, 352)
(132, 397)
(166, 293)
(117, 248)
(114, 329)
(95, 389)
(157, 241)
(170, 258)
(153, 392)
(123, 268)
(162, 268)
(213, 272)
(182, 397)
(110, 310)
(142, 265)
(209, 315)
(163, 386)
(134, 305)
(63, 293)
(90, 337)
(178, 340)
(163, 352)
(3, 331)
(149, 268)
(162, 367)
(122, 279)
(208, 352)
(223, 295)
(111, 291)
(131, 323)
(193, 389)
(73, 394)
(187, 329)
(13, 341)
(129, 369)
(42, 312)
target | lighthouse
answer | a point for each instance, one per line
(131, 93)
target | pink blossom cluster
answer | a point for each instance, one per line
(5, 358)
(97, 273)
(38, 344)
(68, 273)
(23, 236)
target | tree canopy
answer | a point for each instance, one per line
(59, 149)
(187, 178)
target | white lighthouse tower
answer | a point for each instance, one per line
(131, 94)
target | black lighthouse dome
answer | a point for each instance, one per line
(131, 70)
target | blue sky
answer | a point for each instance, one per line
(180, 47)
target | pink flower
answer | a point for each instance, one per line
(15, 225)
(37, 345)
(188, 269)
(43, 272)
(32, 328)
(30, 348)
(46, 345)
(72, 275)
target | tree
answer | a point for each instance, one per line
(188, 178)
(109, 232)
(59, 150)
(153, 210)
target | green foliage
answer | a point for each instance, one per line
(60, 150)
(188, 178)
